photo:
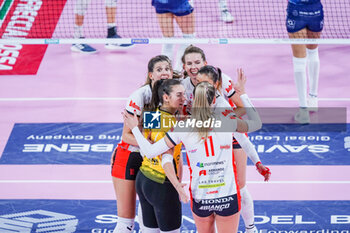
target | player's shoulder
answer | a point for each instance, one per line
(186, 81)
(139, 98)
(141, 92)
(225, 77)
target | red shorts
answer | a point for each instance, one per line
(126, 164)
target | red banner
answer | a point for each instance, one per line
(26, 19)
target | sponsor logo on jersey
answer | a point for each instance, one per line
(199, 164)
(229, 88)
(226, 112)
(217, 204)
(215, 207)
(225, 147)
(217, 200)
(192, 151)
(290, 23)
(134, 105)
(213, 192)
(203, 172)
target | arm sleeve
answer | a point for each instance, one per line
(254, 122)
(147, 149)
(247, 146)
(167, 158)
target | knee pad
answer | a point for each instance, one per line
(81, 7)
(111, 3)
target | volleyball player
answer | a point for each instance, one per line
(225, 14)
(194, 59)
(161, 207)
(126, 159)
(182, 12)
(241, 147)
(305, 20)
(79, 12)
(216, 182)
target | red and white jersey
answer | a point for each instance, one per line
(210, 161)
(136, 102)
(189, 87)
(222, 107)
(138, 99)
(226, 90)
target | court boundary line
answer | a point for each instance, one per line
(124, 99)
(186, 182)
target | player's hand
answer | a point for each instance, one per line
(264, 171)
(239, 86)
(131, 121)
(182, 193)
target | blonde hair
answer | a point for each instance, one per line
(204, 94)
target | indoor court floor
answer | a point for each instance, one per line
(60, 123)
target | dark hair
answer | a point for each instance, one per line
(152, 63)
(192, 49)
(161, 87)
(213, 73)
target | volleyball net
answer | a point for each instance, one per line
(254, 21)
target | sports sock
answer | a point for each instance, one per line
(124, 225)
(168, 50)
(299, 65)
(247, 210)
(78, 31)
(223, 5)
(313, 62)
(177, 64)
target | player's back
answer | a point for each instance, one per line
(211, 164)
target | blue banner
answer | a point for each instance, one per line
(93, 143)
(289, 147)
(100, 216)
(62, 143)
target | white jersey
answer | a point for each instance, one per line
(226, 90)
(222, 107)
(138, 99)
(210, 162)
(135, 103)
(189, 87)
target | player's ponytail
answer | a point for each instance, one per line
(204, 94)
(161, 87)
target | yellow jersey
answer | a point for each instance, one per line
(152, 168)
